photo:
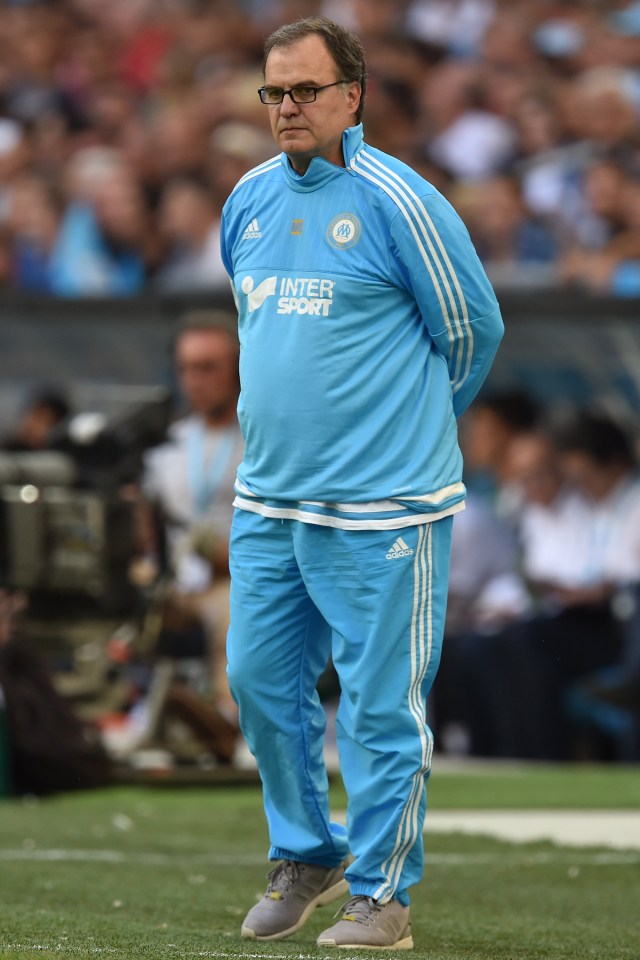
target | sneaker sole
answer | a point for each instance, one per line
(339, 889)
(404, 944)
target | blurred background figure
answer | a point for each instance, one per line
(488, 429)
(190, 224)
(103, 246)
(579, 528)
(509, 239)
(35, 209)
(45, 409)
(486, 592)
(464, 137)
(606, 254)
(189, 483)
(486, 588)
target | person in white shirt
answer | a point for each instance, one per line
(580, 536)
(189, 480)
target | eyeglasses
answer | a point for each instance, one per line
(299, 94)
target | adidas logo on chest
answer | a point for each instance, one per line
(253, 231)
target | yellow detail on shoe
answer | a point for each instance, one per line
(275, 895)
(349, 916)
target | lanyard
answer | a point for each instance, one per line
(204, 477)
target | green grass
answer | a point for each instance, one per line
(519, 786)
(168, 873)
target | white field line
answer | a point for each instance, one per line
(532, 858)
(618, 829)
(139, 859)
(70, 950)
(62, 948)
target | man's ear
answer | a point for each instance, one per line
(354, 95)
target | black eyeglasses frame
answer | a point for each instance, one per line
(290, 92)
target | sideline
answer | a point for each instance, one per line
(189, 862)
(617, 829)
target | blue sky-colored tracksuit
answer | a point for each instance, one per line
(367, 326)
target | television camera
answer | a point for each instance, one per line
(67, 530)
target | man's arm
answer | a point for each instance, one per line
(452, 291)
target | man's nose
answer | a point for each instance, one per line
(288, 106)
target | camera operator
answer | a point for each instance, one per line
(189, 481)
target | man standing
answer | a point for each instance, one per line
(189, 480)
(366, 325)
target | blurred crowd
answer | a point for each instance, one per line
(125, 124)
(541, 658)
(542, 648)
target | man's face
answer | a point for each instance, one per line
(531, 463)
(207, 367)
(595, 480)
(307, 130)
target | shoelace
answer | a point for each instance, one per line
(360, 909)
(282, 877)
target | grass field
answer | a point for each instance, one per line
(162, 872)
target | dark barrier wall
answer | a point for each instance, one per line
(562, 347)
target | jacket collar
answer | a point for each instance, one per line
(321, 171)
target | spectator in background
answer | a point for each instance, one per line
(506, 236)
(177, 143)
(625, 280)
(14, 153)
(580, 534)
(44, 410)
(548, 163)
(486, 590)
(607, 252)
(554, 518)
(602, 217)
(597, 458)
(456, 26)
(190, 224)
(189, 481)
(604, 111)
(101, 248)
(233, 149)
(35, 208)
(462, 135)
(487, 432)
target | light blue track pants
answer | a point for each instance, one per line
(300, 593)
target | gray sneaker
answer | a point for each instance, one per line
(295, 889)
(367, 924)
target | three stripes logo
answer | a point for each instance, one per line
(399, 549)
(253, 231)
